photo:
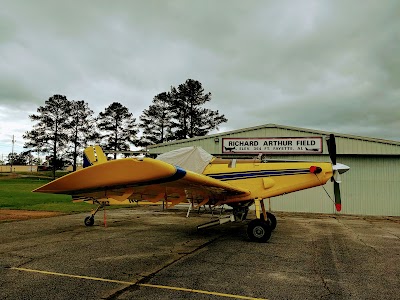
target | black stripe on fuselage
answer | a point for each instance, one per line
(256, 174)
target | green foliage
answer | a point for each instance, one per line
(191, 119)
(82, 129)
(60, 163)
(156, 121)
(50, 134)
(118, 127)
(179, 114)
(64, 128)
(17, 194)
(22, 159)
(50, 130)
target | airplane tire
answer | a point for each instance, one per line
(89, 221)
(259, 231)
(271, 218)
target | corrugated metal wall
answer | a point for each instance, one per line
(371, 187)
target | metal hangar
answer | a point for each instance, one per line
(371, 187)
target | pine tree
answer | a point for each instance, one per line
(82, 128)
(50, 132)
(119, 128)
(190, 119)
(156, 121)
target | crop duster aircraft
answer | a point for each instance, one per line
(200, 179)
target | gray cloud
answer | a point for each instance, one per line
(318, 64)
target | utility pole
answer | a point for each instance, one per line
(12, 154)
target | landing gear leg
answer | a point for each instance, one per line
(269, 216)
(240, 212)
(259, 230)
(271, 219)
(89, 220)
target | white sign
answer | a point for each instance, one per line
(301, 145)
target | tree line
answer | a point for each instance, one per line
(63, 128)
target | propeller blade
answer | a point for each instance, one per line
(338, 199)
(337, 170)
(332, 148)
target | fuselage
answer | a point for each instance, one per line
(269, 179)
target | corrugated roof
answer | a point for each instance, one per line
(299, 129)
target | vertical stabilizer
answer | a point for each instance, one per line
(93, 155)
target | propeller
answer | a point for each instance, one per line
(332, 148)
(337, 170)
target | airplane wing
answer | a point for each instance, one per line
(145, 179)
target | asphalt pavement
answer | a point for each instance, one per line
(148, 253)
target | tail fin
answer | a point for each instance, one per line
(93, 155)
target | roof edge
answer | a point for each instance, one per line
(270, 125)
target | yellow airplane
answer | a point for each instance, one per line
(238, 183)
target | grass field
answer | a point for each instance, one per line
(15, 193)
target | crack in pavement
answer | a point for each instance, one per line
(317, 271)
(147, 278)
(358, 236)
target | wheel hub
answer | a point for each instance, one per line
(258, 231)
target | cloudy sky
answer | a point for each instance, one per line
(329, 65)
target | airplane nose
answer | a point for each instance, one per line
(341, 168)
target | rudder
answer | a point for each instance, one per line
(93, 155)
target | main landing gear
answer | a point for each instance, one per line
(89, 220)
(258, 230)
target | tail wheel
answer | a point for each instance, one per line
(89, 221)
(259, 231)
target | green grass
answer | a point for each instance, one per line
(16, 193)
